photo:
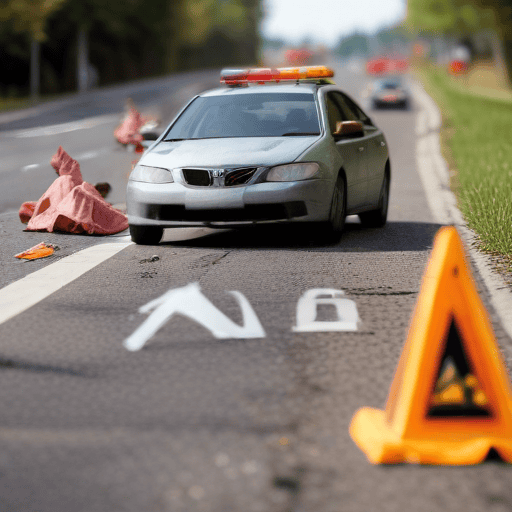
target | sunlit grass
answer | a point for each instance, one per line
(477, 136)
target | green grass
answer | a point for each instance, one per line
(14, 103)
(477, 141)
(17, 103)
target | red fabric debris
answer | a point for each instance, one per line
(27, 210)
(128, 131)
(73, 205)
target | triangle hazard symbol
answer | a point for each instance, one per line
(457, 391)
(450, 400)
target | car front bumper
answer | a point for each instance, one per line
(178, 205)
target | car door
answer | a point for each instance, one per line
(375, 152)
(351, 151)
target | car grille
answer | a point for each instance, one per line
(251, 212)
(230, 178)
(239, 176)
(197, 177)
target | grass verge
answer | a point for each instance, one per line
(7, 104)
(477, 144)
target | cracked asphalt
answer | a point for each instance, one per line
(194, 423)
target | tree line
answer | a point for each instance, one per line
(65, 45)
(465, 21)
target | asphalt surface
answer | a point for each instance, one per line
(192, 422)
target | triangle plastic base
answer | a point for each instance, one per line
(375, 437)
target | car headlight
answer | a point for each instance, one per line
(151, 174)
(293, 172)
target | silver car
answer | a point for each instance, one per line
(300, 152)
(390, 92)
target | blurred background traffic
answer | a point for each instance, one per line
(51, 47)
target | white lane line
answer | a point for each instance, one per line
(30, 167)
(88, 155)
(57, 129)
(28, 291)
(435, 177)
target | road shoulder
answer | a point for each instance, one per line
(443, 203)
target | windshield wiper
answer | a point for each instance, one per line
(294, 134)
(173, 140)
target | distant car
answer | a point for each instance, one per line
(273, 146)
(390, 92)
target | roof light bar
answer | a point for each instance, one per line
(262, 75)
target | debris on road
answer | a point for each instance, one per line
(135, 128)
(150, 260)
(128, 132)
(41, 250)
(26, 211)
(150, 274)
(71, 204)
(103, 188)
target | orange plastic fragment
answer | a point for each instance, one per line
(450, 401)
(41, 250)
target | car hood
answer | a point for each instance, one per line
(226, 152)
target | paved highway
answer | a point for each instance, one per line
(192, 422)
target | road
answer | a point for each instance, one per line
(192, 422)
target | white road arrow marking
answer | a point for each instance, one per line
(190, 302)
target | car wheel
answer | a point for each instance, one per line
(146, 235)
(337, 214)
(377, 218)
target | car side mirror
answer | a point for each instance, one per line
(348, 129)
(151, 136)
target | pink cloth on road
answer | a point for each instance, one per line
(128, 131)
(73, 205)
(27, 210)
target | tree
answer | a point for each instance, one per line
(462, 18)
(219, 32)
(29, 17)
(354, 45)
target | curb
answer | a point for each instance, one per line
(435, 177)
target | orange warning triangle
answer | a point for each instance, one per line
(450, 400)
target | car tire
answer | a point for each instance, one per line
(338, 210)
(377, 218)
(146, 235)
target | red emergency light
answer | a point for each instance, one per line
(262, 75)
(384, 65)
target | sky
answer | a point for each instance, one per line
(325, 21)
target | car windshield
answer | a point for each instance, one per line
(247, 115)
(389, 84)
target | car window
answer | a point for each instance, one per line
(333, 113)
(348, 113)
(389, 84)
(360, 115)
(247, 115)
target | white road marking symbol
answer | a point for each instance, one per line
(30, 167)
(190, 302)
(346, 310)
